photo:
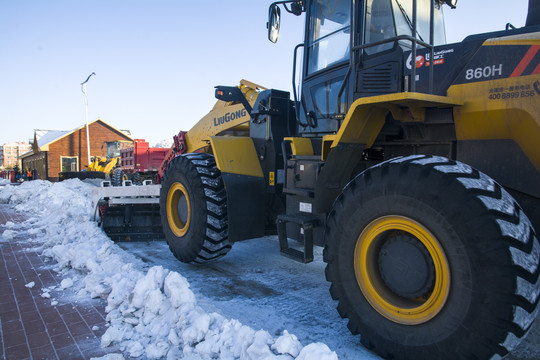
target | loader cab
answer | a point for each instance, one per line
(355, 49)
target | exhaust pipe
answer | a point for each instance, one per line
(533, 16)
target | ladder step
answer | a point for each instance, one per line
(294, 254)
(298, 219)
(300, 192)
(307, 224)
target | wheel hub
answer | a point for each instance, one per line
(406, 267)
(402, 270)
(178, 209)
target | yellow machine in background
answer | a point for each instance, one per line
(101, 167)
(103, 164)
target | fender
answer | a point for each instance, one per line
(241, 171)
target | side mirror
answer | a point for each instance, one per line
(274, 17)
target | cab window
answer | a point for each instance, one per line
(329, 34)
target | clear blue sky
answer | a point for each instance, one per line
(156, 61)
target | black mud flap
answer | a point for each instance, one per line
(133, 222)
(245, 206)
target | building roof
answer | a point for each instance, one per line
(45, 146)
(45, 137)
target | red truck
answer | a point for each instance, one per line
(139, 163)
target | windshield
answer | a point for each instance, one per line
(403, 11)
(329, 30)
(386, 19)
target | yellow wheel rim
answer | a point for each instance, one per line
(124, 177)
(393, 306)
(178, 209)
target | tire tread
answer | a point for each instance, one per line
(202, 168)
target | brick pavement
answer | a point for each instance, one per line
(32, 328)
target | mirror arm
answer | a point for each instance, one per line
(297, 6)
(234, 94)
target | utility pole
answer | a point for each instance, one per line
(83, 88)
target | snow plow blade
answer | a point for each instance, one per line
(81, 175)
(128, 213)
(133, 223)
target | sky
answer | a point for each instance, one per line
(156, 62)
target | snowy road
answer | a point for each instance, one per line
(256, 285)
(263, 289)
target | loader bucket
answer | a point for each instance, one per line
(133, 222)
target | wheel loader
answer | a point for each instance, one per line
(413, 162)
(101, 167)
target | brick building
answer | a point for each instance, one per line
(54, 151)
(10, 152)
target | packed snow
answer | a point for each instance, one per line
(151, 311)
(165, 143)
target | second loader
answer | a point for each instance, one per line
(101, 167)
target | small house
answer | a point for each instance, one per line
(54, 151)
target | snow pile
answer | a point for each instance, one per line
(152, 312)
(4, 181)
(165, 143)
(9, 234)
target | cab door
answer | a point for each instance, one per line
(326, 62)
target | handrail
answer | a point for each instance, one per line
(351, 58)
(413, 39)
(297, 103)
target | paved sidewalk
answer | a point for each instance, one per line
(32, 328)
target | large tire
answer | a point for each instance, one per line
(193, 207)
(431, 259)
(118, 177)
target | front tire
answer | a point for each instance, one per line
(193, 207)
(431, 259)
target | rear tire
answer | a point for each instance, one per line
(193, 207)
(431, 259)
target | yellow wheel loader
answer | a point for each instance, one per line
(103, 164)
(100, 167)
(414, 162)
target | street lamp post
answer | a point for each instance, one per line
(83, 88)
